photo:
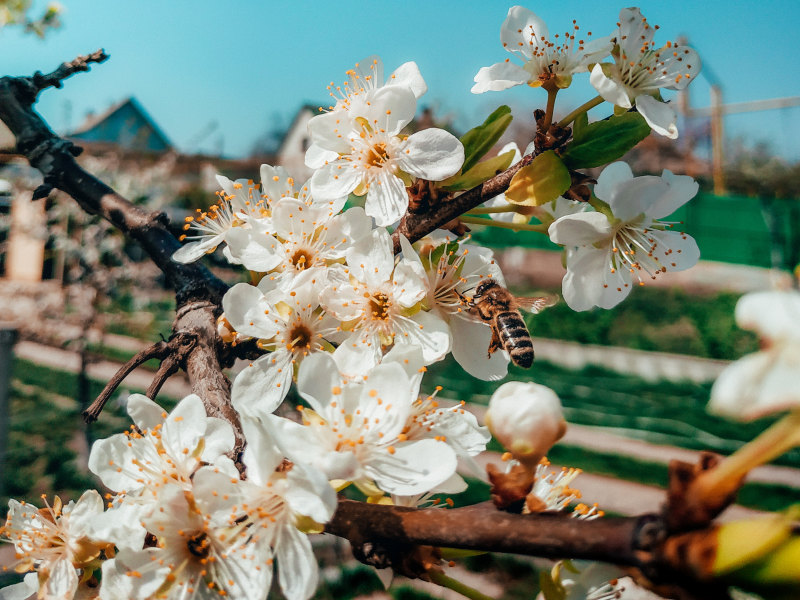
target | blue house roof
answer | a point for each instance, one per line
(126, 125)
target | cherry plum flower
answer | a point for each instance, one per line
(59, 542)
(544, 57)
(287, 321)
(640, 70)
(378, 299)
(607, 252)
(766, 381)
(354, 431)
(362, 152)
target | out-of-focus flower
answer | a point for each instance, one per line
(545, 58)
(766, 381)
(606, 252)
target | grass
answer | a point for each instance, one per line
(664, 412)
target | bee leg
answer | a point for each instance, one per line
(495, 344)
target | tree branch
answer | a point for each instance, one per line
(416, 226)
(198, 293)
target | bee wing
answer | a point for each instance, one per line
(536, 304)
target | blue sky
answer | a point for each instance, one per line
(247, 65)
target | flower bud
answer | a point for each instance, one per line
(527, 419)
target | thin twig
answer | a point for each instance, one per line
(67, 69)
(168, 367)
(158, 350)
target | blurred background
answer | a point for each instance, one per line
(197, 88)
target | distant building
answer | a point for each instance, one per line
(292, 150)
(124, 126)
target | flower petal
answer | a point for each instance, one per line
(260, 388)
(659, 115)
(470, 349)
(608, 88)
(387, 200)
(408, 75)
(297, 566)
(499, 76)
(432, 154)
(581, 229)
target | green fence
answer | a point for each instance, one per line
(762, 232)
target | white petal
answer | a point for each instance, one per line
(634, 34)
(24, 590)
(387, 199)
(581, 229)
(310, 494)
(62, 581)
(413, 468)
(371, 259)
(408, 75)
(609, 89)
(590, 282)
(632, 198)
(335, 180)
(275, 182)
(330, 131)
(500, 76)
(185, 426)
(297, 565)
(145, 413)
(192, 251)
(257, 251)
(260, 388)
(517, 29)
(675, 251)
(345, 229)
(118, 583)
(774, 315)
(612, 176)
(261, 455)
(317, 156)
(682, 188)
(388, 108)
(430, 333)
(432, 154)
(659, 115)
(357, 355)
(248, 311)
(317, 379)
(470, 349)
(409, 283)
(219, 439)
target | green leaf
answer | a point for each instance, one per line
(579, 126)
(540, 182)
(551, 589)
(480, 172)
(603, 142)
(479, 140)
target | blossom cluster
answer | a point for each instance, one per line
(352, 313)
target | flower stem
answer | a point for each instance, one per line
(777, 439)
(581, 109)
(455, 585)
(551, 104)
(490, 210)
(503, 225)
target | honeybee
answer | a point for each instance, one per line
(497, 306)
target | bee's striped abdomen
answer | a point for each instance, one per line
(515, 337)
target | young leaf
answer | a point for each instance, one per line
(480, 172)
(479, 140)
(579, 126)
(540, 182)
(603, 142)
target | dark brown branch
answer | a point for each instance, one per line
(158, 350)
(415, 226)
(482, 527)
(79, 64)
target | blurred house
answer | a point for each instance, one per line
(124, 126)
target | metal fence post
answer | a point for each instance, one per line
(8, 335)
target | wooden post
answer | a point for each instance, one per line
(8, 335)
(717, 140)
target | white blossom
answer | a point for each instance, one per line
(640, 70)
(353, 432)
(544, 57)
(607, 252)
(766, 381)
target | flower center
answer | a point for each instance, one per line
(379, 305)
(300, 337)
(199, 544)
(302, 259)
(377, 155)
